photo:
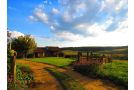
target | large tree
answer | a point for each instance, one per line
(24, 45)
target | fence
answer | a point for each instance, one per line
(91, 59)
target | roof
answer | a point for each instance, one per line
(39, 49)
(53, 48)
(42, 49)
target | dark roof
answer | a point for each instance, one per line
(39, 49)
(50, 48)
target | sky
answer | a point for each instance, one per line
(70, 23)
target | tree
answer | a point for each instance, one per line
(24, 45)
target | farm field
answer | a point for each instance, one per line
(57, 61)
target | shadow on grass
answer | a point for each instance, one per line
(65, 81)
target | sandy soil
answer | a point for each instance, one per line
(45, 81)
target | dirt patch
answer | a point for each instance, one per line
(90, 83)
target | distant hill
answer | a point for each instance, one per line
(120, 52)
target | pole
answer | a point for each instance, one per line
(87, 55)
(13, 68)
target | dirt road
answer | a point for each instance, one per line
(43, 80)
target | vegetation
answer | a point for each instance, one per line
(67, 82)
(120, 53)
(24, 45)
(117, 72)
(57, 61)
(24, 77)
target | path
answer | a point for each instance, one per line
(42, 79)
(45, 81)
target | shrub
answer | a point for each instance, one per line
(10, 53)
(90, 70)
(24, 77)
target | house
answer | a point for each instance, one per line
(39, 52)
(47, 51)
(52, 51)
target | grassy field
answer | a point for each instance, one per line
(117, 72)
(58, 61)
(66, 82)
(116, 52)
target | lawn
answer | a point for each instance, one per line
(57, 61)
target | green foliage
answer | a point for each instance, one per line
(90, 70)
(10, 53)
(24, 44)
(66, 82)
(58, 61)
(24, 74)
(8, 66)
(24, 77)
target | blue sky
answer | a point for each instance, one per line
(70, 22)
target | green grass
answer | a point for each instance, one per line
(117, 71)
(69, 52)
(57, 61)
(66, 82)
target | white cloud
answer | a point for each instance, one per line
(45, 2)
(86, 22)
(52, 28)
(120, 5)
(55, 11)
(67, 36)
(104, 39)
(67, 17)
(15, 34)
(39, 14)
(32, 18)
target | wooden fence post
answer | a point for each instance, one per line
(13, 67)
(79, 55)
(87, 55)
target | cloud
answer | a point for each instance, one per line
(12, 8)
(15, 34)
(32, 18)
(82, 21)
(67, 36)
(39, 15)
(55, 11)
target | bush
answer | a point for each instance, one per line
(24, 77)
(90, 70)
(8, 66)
(10, 53)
